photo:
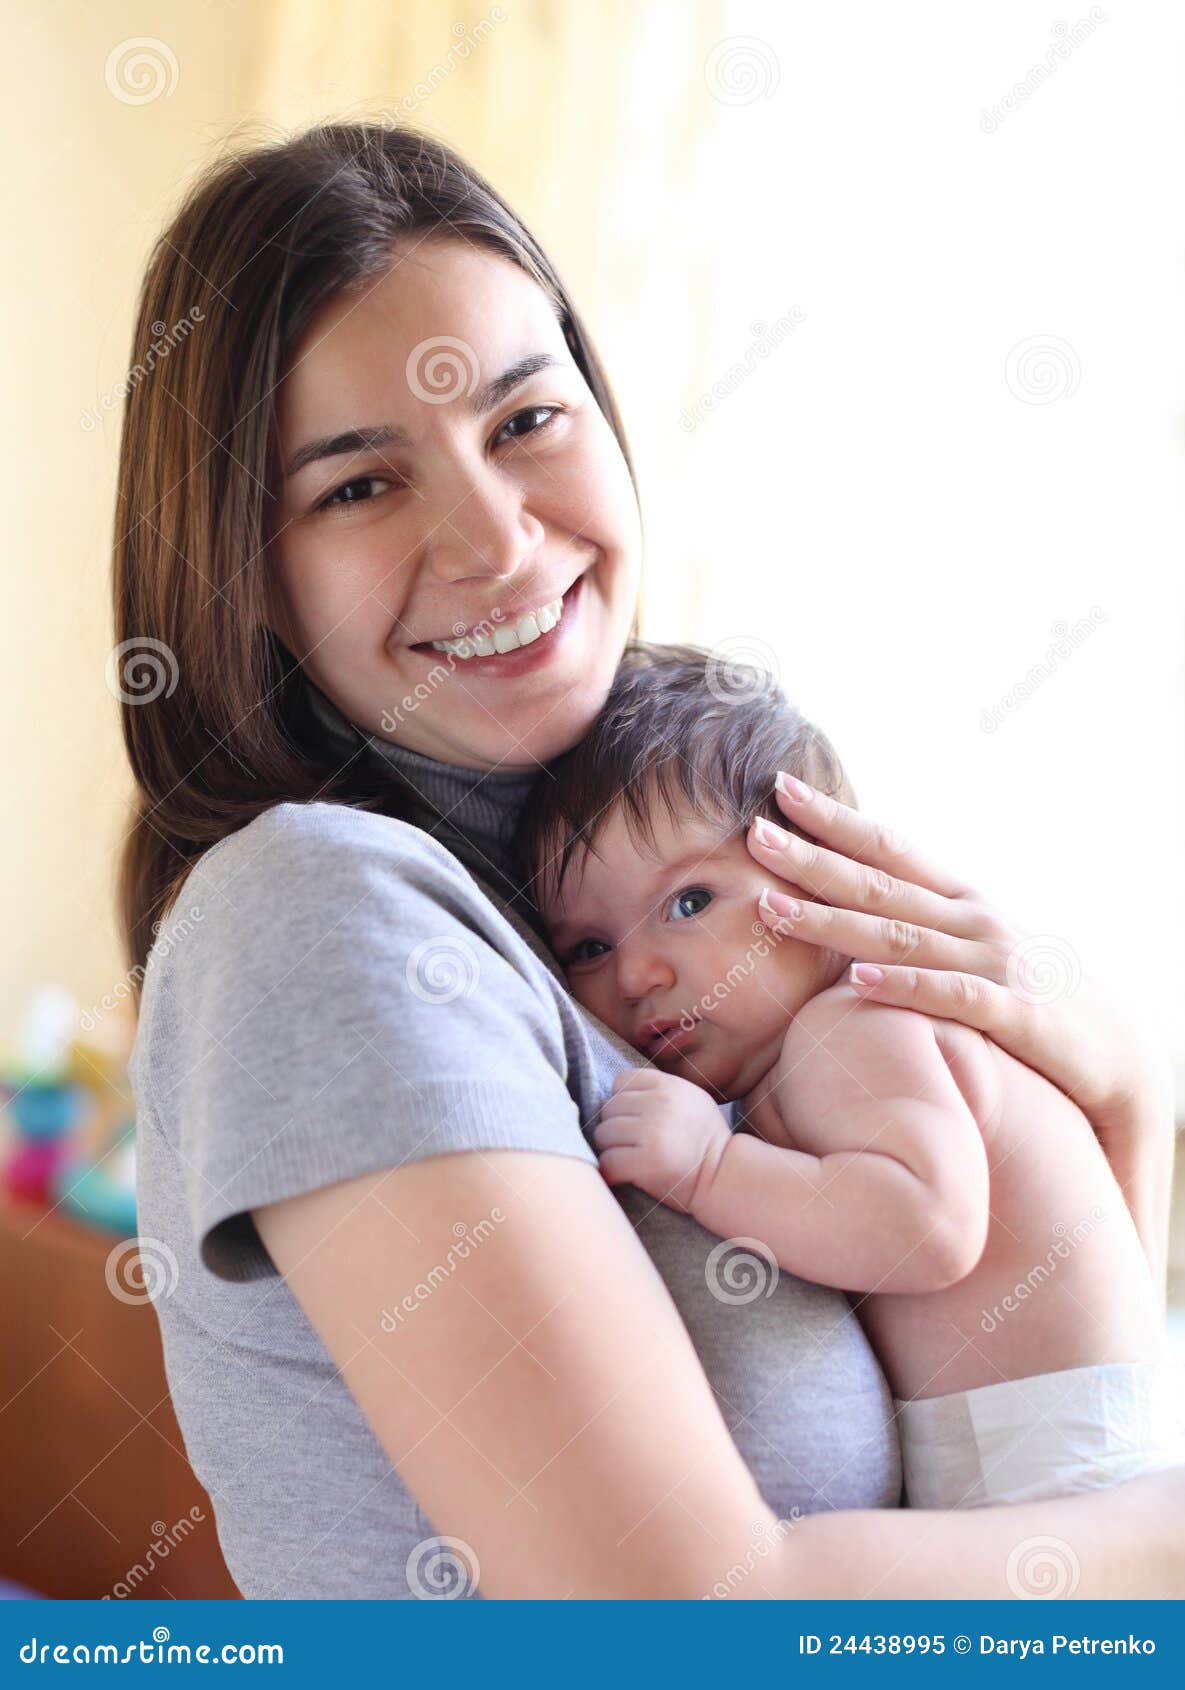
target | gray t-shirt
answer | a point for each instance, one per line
(334, 992)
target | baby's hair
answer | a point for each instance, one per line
(682, 726)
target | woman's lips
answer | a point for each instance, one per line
(508, 665)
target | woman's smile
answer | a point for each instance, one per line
(503, 645)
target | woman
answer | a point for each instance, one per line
(415, 1343)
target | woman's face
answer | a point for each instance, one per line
(446, 474)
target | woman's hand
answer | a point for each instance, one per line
(939, 948)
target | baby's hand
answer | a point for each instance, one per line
(662, 1134)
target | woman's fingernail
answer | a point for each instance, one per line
(768, 833)
(796, 789)
(778, 904)
(866, 974)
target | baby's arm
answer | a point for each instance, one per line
(886, 1188)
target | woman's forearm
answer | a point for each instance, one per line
(1139, 1138)
(1122, 1542)
(546, 1408)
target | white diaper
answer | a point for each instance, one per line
(1048, 1435)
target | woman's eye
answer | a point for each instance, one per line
(690, 902)
(525, 418)
(356, 492)
(584, 950)
(360, 491)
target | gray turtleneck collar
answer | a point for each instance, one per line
(471, 812)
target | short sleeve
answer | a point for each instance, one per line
(333, 994)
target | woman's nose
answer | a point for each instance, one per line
(482, 529)
(641, 970)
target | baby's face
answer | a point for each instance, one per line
(665, 943)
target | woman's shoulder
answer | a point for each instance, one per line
(333, 994)
(297, 864)
(325, 898)
(305, 838)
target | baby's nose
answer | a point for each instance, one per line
(642, 969)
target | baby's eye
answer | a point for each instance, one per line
(581, 952)
(689, 902)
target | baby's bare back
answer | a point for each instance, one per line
(1062, 1282)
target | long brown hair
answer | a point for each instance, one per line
(212, 703)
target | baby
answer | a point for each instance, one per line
(958, 1194)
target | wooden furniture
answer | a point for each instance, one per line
(96, 1495)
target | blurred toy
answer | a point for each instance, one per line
(70, 1108)
(101, 1190)
(43, 1099)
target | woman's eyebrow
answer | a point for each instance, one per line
(496, 390)
(349, 441)
(345, 443)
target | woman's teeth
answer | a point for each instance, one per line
(522, 632)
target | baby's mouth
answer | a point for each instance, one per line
(665, 1037)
